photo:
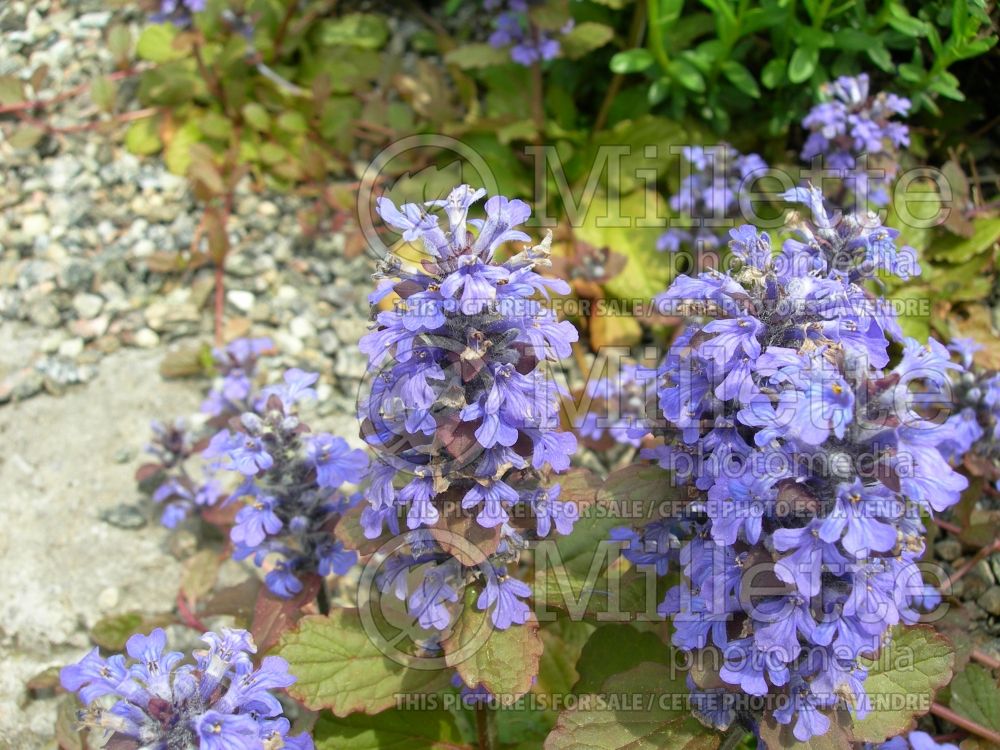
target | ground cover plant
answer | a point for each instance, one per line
(676, 416)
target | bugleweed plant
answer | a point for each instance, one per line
(182, 478)
(151, 700)
(291, 489)
(461, 411)
(851, 124)
(814, 462)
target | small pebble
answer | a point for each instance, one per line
(146, 338)
(108, 598)
(990, 601)
(124, 516)
(948, 549)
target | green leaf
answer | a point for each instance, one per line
(629, 225)
(120, 42)
(424, 729)
(901, 20)
(976, 695)
(25, 137)
(142, 137)
(647, 143)
(273, 153)
(802, 64)
(687, 75)
(564, 640)
(773, 74)
(338, 667)
(215, 125)
(881, 56)
(11, 90)
(477, 55)
(955, 249)
(585, 37)
(256, 117)
(908, 298)
(911, 72)
(520, 130)
(915, 207)
(741, 78)
(506, 663)
(365, 30)
(103, 92)
(201, 571)
(177, 155)
(292, 122)
(110, 633)
(912, 666)
(656, 719)
(156, 44)
(631, 61)
(603, 656)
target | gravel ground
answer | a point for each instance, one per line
(67, 462)
(87, 319)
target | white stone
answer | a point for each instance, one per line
(87, 306)
(35, 224)
(240, 299)
(146, 338)
(108, 598)
(71, 348)
(301, 328)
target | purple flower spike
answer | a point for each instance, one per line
(811, 461)
(224, 704)
(460, 403)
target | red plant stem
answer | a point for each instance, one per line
(990, 662)
(220, 302)
(484, 735)
(69, 94)
(943, 712)
(188, 617)
(138, 114)
(949, 527)
(981, 555)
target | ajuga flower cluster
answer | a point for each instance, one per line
(292, 486)
(850, 124)
(514, 31)
(709, 195)
(618, 405)
(812, 458)
(220, 702)
(975, 427)
(184, 485)
(459, 407)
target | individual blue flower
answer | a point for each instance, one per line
(550, 511)
(502, 596)
(861, 519)
(335, 461)
(255, 522)
(297, 386)
(427, 602)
